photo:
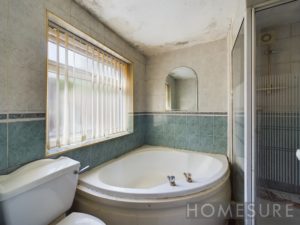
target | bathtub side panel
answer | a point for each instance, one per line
(163, 212)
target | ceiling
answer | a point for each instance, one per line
(164, 25)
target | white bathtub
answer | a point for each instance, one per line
(134, 188)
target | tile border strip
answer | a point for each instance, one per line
(26, 115)
(19, 117)
(11, 117)
(3, 116)
(183, 113)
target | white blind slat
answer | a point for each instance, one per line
(57, 117)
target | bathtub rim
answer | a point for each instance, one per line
(136, 193)
(114, 201)
(145, 147)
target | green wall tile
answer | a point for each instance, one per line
(3, 146)
(26, 142)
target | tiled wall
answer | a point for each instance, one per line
(277, 140)
(3, 146)
(284, 70)
(199, 132)
(278, 111)
(23, 141)
(238, 146)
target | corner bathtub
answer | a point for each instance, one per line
(134, 189)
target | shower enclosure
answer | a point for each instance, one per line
(271, 111)
(238, 117)
(277, 108)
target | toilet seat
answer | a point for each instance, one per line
(80, 219)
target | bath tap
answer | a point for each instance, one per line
(188, 177)
(172, 180)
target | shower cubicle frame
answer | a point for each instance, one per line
(250, 104)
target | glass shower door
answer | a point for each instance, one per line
(277, 97)
(238, 115)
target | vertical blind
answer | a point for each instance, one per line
(87, 91)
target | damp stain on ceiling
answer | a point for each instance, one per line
(156, 26)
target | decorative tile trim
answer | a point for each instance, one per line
(3, 116)
(19, 117)
(183, 113)
(26, 115)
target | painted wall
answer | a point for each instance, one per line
(209, 62)
(205, 130)
(23, 81)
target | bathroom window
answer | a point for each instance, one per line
(89, 94)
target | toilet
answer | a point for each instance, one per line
(40, 192)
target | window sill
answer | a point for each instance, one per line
(60, 150)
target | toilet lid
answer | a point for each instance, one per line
(80, 219)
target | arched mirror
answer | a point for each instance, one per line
(182, 90)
